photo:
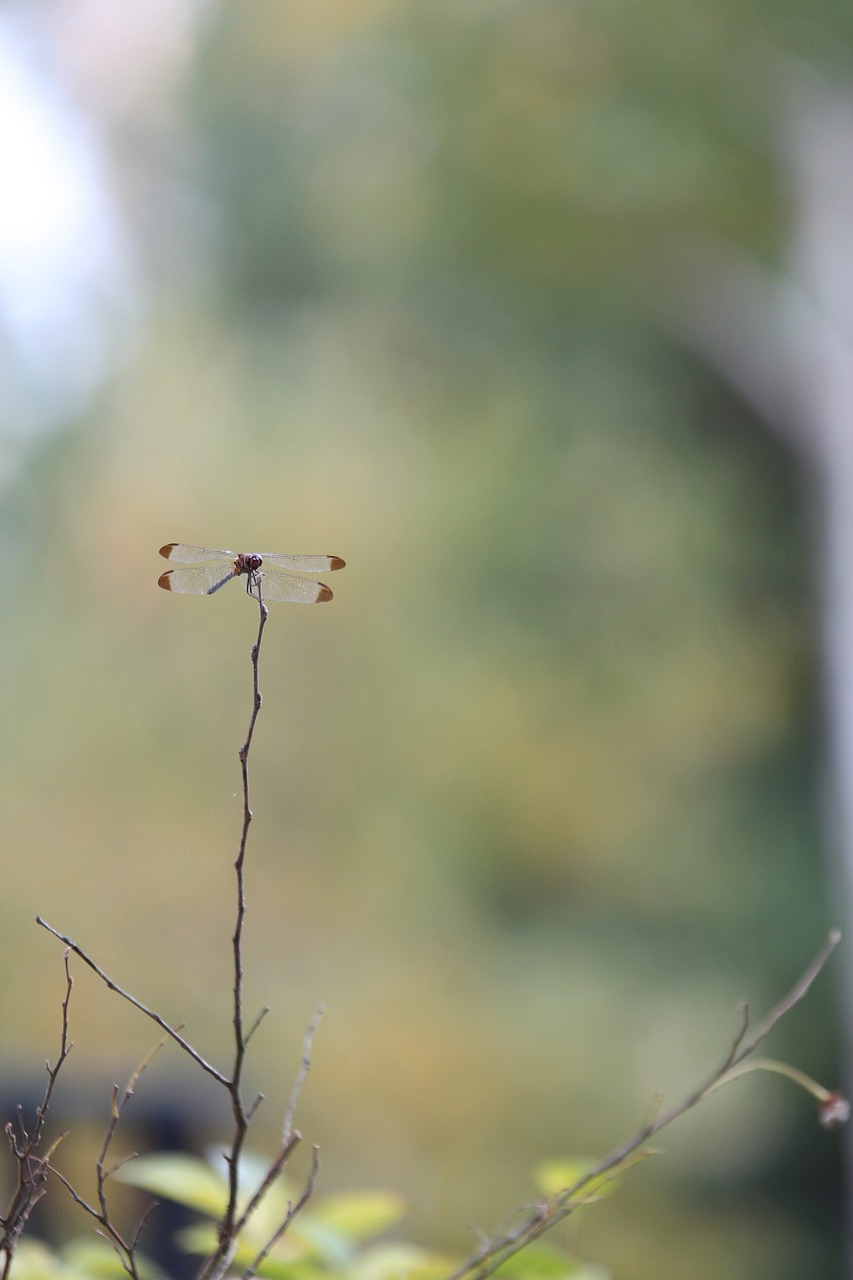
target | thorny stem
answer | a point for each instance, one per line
(492, 1252)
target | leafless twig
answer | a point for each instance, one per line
(234, 1220)
(495, 1250)
(292, 1211)
(304, 1068)
(33, 1166)
(272, 1174)
(161, 1022)
(125, 1249)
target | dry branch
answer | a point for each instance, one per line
(530, 1226)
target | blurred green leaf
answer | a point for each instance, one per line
(34, 1260)
(317, 1242)
(395, 1261)
(545, 1262)
(555, 1176)
(360, 1215)
(287, 1259)
(91, 1256)
(278, 1268)
(84, 1258)
(185, 1179)
(200, 1238)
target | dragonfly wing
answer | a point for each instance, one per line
(185, 554)
(277, 586)
(302, 564)
(195, 582)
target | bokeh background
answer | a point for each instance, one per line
(544, 793)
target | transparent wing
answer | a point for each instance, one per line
(302, 564)
(276, 586)
(185, 554)
(195, 582)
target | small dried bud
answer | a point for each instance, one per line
(833, 1112)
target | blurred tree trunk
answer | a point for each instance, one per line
(822, 170)
(787, 346)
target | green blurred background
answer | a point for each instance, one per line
(537, 797)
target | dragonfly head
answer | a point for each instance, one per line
(248, 563)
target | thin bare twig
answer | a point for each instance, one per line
(258, 1020)
(125, 1250)
(137, 1004)
(292, 1211)
(290, 1139)
(304, 1068)
(250, 1110)
(490, 1254)
(231, 1224)
(794, 996)
(32, 1166)
(272, 1173)
(233, 1221)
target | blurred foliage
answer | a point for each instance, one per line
(334, 1237)
(537, 797)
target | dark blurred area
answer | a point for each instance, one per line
(457, 292)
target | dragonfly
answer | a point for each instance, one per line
(211, 569)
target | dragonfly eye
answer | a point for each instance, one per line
(253, 562)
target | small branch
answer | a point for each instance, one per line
(228, 1227)
(240, 1038)
(143, 1222)
(289, 1141)
(270, 1177)
(125, 1250)
(771, 1065)
(253, 1028)
(740, 1034)
(137, 1004)
(291, 1214)
(794, 996)
(32, 1167)
(304, 1068)
(490, 1254)
(250, 1111)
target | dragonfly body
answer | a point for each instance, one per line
(212, 568)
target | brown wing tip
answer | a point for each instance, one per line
(167, 551)
(335, 562)
(324, 594)
(165, 580)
